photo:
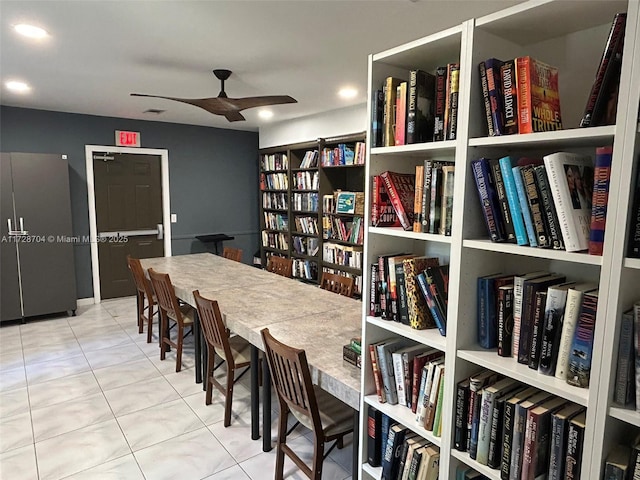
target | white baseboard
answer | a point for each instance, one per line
(82, 302)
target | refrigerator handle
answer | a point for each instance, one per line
(22, 230)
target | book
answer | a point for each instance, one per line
(440, 104)
(552, 327)
(409, 439)
(487, 308)
(482, 68)
(624, 391)
(476, 383)
(536, 330)
(524, 206)
(427, 294)
(401, 190)
(416, 462)
(374, 436)
(385, 364)
(606, 76)
(345, 202)
(435, 201)
(377, 109)
(494, 457)
(575, 440)
(494, 85)
(535, 205)
(400, 129)
(390, 87)
(601, 174)
(382, 211)
(505, 319)
(417, 199)
(451, 112)
(507, 429)
(420, 116)
(548, 208)
(418, 375)
(617, 465)
(569, 323)
(518, 285)
(570, 179)
(413, 444)
(402, 366)
(426, 389)
(426, 196)
(446, 216)
(538, 96)
(509, 96)
(401, 292)
(438, 279)
(384, 430)
(391, 459)
(488, 199)
(429, 416)
(377, 374)
(391, 270)
(419, 316)
(582, 346)
(461, 414)
(633, 237)
(506, 168)
(374, 294)
(437, 421)
(505, 213)
(559, 433)
(430, 464)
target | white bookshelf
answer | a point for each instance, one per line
(572, 40)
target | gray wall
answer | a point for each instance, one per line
(213, 174)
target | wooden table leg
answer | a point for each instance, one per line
(255, 394)
(197, 346)
(266, 407)
(355, 474)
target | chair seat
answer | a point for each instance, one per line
(335, 415)
(240, 349)
(188, 314)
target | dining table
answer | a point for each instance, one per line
(297, 313)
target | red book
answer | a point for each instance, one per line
(538, 97)
(401, 190)
(602, 173)
(401, 114)
(382, 212)
(377, 377)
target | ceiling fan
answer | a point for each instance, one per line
(230, 108)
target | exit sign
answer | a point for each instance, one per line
(127, 139)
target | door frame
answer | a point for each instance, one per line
(93, 228)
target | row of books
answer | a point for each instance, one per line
(275, 221)
(310, 159)
(305, 269)
(308, 225)
(623, 462)
(357, 279)
(305, 245)
(344, 203)
(627, 382)
(305, 202)
(306, 180)
(345, 229)
(422, 109)
(344, 154)
(522, 431)
(557, 202)
(273, 200)
(541, 320)
(275, 240)
(274, 181)
(633, 239)
(410, 289)
(274, 161)
(342, 255)
(402, 453)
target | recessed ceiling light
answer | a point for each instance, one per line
(18, 87)
(265, 114)
(348, 92)
(30, 31)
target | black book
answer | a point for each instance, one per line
(374, 436)
(462, 412)
(391, 460)
(509, 96)
(377, 110)
(507, 428)
(558, 448)
(633, 242)
(549, 208)
(536, 330)
(503, 202)
(420, 108)
(505, 319)
(535, 205)
(497, 424)
(441, 92)
(485, 99)
(575, 441)
(401, 294)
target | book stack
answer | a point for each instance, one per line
(558, 202)
(278, 241)
(422, 108)
(520, 430)
(352, 353)
(344, 154)
(305, 269)
(304, 202)
(310, 159)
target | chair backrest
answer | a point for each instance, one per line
(165, 295)
(280, 265)
(142, 282)
(337, 283)
(215, 331)
(232, 253)
(291, 378)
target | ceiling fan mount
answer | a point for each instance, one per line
(230, 108)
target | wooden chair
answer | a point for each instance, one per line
(328, 418)
(144, 291)
(280, 265)
(231, 253)
(170, 309)
(235, 351)
(337, 283)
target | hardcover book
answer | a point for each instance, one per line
(617, 465)
(633, 238)
(518, 306)
(488, 198)
(505, 320)
(575, 440)
(535, 205)
(507, 430)
(506, 168)
(374, 436)
(624, 392)
(446, 215)
(571, 182)
(548, 208)
(559, 433)
(451, 112)
(487, 307)
(382, 212)
(524, 206)
(400, 128)
(425, 204)
(420, 117)
(462, 410)
(505, 213)
(377, 109)
(494, 85)
(401, 190)
(552, 328)
(509, 96)
(418, 198)
(601, 174)
(485, 98)
(440, 104)
(497, 423)
(388, 123)
(435, 201)
(419, 316)
(582, 346)
(538, 96)
(427, 293)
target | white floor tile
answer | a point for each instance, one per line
(62, 367)
(11, 360)
(73, 452)
(184, 382)
(63, 389)
(140, 395)
(14, 402)
(233, 473)
(19, 464)
(214, 413)
(104, 340)
(114, 356)
(125, 373)
(15, 431)
(47, 353)
(191, 456)
(12, 379)
(123, 468)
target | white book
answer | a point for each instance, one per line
(571, 314)
(571, 182)
(424, 402)
(398, 372)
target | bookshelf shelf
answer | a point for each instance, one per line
(344, 268)
(403, 415)
(400, 233)
(375, 472)
(279, 210)
(533, 252)
(576, 137)
(309, 169)
(274, 230)
(302, 234)
(626, 415)
(273, 190)
(295, 190)
(304, 212)
(342, 242)
(509, 367)
(417, 149)
(359, 165)
(632, 263)
(430, 337)
(304, 256)
(483, 469)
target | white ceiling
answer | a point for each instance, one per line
(100, 51)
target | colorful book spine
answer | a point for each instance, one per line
(582, 347)
(440, 103)
(602, 173)
(485, 97)
(506, 168)
(400, 129)
(505, 213)
(431, 303)
(488, 198)
(524, 206)
(538, 98)
(400, 188)
(495, 94)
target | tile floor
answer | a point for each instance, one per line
(86, 397)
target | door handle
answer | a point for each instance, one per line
(22, 230)
(160, 231)
(16, 233)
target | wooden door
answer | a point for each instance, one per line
(128, 192)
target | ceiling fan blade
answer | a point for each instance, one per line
(234, 116)
(252, 102)
(215, 105)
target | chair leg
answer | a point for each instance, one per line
(318, 459)
(228, 397)
(179, 349)
(150, 322)
(163, 345)
(140, 312)
(282, 439)
(340, 443)
(210, 367)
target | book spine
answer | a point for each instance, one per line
(426, 196)
(505, 214)
(428, 296)
(438, 376)
(553, 317)
(549, 209)
(417, 201)
(582, 346)
(514, 202)
(531, 189)
(416, 374)
(374, 294)
(510, 97)
(519, 426)
(388, 122)
(536, 330)
(401, 286)
(441, 89)
(505, 321)
(507, 437)
(602, 172)
(446, 217)
(495, 438)
(387, 458)
(556, 450)
(615, 35)
(526, 321)
(572, 310)
(636, 346)
(438, 293)
(452, 110)
(377, 375)
(523, 76)
(573, 461)
(374, 436)
(495, 94)
(529, 448)
(401, 113)
(411, 107)
(423, 399)
(488, 199)
(487, 321)
(398, 375)
(385, 364)
(394, 196)
(437, 421)
(462, 405)
(436, 198)
(485, 96)
(524, 206)
(475, 426)
(633, 242)
(484, 427)
(623, 392)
